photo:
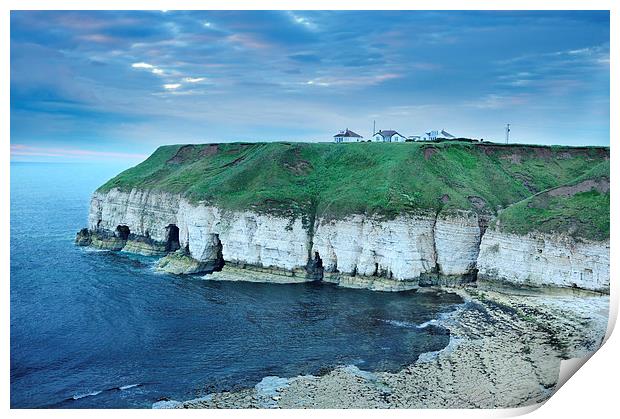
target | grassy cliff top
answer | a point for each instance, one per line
(336, 180)
(579, 208)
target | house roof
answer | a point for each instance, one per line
(447, 134)
(348, 133)
(442, 134)
(387, 133)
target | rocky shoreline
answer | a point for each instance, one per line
(505, 352)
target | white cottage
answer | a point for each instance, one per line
(433, 135)
(388, 136)
(348, 136)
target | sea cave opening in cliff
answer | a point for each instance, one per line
(172, 238)
(122, 232)
(219, 256)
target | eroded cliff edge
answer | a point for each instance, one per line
(409, 244)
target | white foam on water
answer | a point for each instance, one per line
(409, 325)
(81, 396)
(165, 404)
(88, 249)
(426, 324)
(354, 370)
(267, 391)
(128, 386)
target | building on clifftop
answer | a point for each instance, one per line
(433, 135)
(348, 136)
(388, 136)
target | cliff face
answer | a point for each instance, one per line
(378, 216)
(203, 231)
(538, 259)
(398, 249)
(357, 251)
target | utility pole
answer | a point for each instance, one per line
(507, 132)
(374, 127)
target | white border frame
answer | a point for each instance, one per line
(591, 393)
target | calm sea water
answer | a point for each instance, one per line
(102, 329)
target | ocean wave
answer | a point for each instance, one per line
(97, 392)
(81, 396)
(88, 249)
(454, 340)
(409, 325)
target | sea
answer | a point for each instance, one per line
(99, 329)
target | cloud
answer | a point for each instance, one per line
(497, 101)
(94, 75)
(193, 79)
(154, 69)
(426, 66)
(353, 80)
(248, 41)
(142, 65)
(303, 21)
(305, 58)
(579, 51)
(98, 37)
(29, 150)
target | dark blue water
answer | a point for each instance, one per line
(84, 322)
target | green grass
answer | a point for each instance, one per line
(336, 180)
(584, 214)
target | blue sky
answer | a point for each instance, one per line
(115, 85)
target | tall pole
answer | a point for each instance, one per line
(374, 128)
(507, 132)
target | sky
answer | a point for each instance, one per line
(113, 85)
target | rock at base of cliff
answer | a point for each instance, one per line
(433, 279)
(181, 263)
(83, 237)
(258, 274)
(106, 240)
(373, 283)
(145, 246)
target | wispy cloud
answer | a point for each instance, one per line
(303, 21)
(193, 79)
(247, 41)
(154, 69)
(172, 86)
(497, 101)
(142, 65)
(72, 153)
(144, 77)
(362, 80)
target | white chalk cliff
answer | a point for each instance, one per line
(540, 259)
(384, 254)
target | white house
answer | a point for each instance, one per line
(389, 136)
(347, 136)
(433, 135)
